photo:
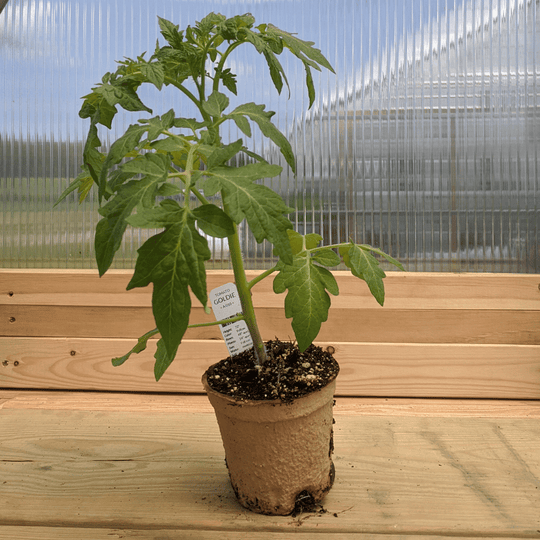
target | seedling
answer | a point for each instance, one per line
(162, 160)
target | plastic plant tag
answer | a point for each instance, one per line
(226, 304)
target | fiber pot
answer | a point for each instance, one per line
(277, 453)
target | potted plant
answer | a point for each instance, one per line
(150, 178)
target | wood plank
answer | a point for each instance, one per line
(369, 369)
(345, 406)
(395, 476)
(80, 533)
(404, 290)
(379, 325)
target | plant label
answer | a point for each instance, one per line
(226, 304)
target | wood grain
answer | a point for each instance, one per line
(345, 406)
(404, 290)
(146, 470)
(79, 533)
(383, 325)
(369, 369)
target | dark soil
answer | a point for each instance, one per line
(286, 375)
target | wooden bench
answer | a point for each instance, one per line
(437, 418)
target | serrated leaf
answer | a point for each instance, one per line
(307, 301)
(158, 124)
(304, 50)
(300, 48)
(171, 144)
(168, 190)
(189, 123)
(110, 229)
(296, 240)
(141, 345)
(216, 104)
(93, 159)
(277, 74)
(313, 240)
(163, 359)
(262, 119)
(229, 80)
(122, 95)
(327, 257)
(365, 266)
(151, 165)
(213, 221)
(168, 213)
(155, 73)
(170, 32)
(120, 148)
(242, 123)
(263, 209)
(385, 256)
(173, 260)
(222, 154)
(83, 183)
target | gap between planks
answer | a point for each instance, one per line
(76, 533)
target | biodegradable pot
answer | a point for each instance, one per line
(277, 453)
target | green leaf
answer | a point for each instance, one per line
(168, 213)
(173, 260)
(151, 165)
(365, 266)
(139, 347)
(163, 359)
(158, 124)
(110, 229)
(216, 104)
(327, 257)
(93, 159)
(120, 148)
(189, 123)
(300, 48)
(307, 301)
(213, 221)
(122, 95)
(385, 256)
(277, 73)
(304, 50)
(171, 144)
(263, 209)
(296, 240)
(83, 183)
(222, 154)
(313, 240)
(262, 119)
(229, 80)
(242, 123)
(168, 190)
(170, 32)
(155, 73)
(97, 108)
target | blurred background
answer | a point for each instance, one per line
(425, 143)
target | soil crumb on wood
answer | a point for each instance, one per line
(287, 374)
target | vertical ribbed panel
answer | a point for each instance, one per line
(425, 143)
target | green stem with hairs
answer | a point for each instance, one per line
(245, 297)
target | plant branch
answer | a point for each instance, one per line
(219, 67)
(215, 323)
(185, 91)
(262, 276)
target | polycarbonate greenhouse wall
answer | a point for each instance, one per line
(425, 142)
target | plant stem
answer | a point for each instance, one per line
(260, 277)
(216, 323)
(245, 297)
